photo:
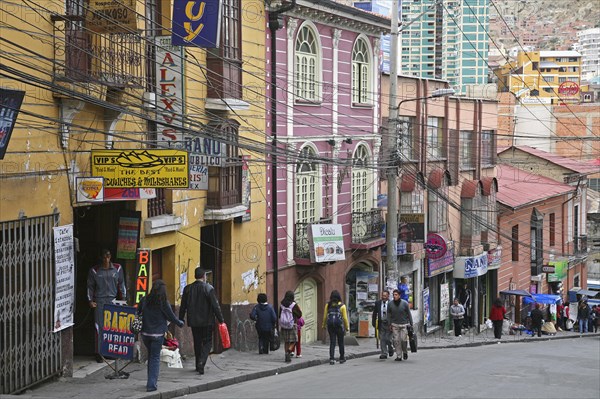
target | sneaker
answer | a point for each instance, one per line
(298, 355)
(342, 361)
(291, 354)
(398, 359)
(382, 357)
(460, 336)
(405, 356)
(391, 353)
(332, 362)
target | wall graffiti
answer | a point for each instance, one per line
(243, 333)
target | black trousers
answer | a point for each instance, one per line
(497, 328)
(336, 334)
(264, 341)
(202, 344)
(537, 328)
(458, 327)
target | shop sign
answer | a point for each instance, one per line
(495, 258)
(560, 270)
(440, 265)
(152, 168)
(111, 16)
(535, 100)
(412, 227)
(468, 267)
(89, 189)
(64, 287)
(205, 151)
(426, 312)
(196, 23)
(435, 247)
(400, 247)
(128, 194)
(326, 243)
(169, 91)
(444, 301)
(142, 274)
(116, 338)
(548, 269)
(10, 105)
(128, 235)
(568, 88)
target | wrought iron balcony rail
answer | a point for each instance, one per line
(367, 226)
(301, 244)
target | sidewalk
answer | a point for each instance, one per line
(232, 367)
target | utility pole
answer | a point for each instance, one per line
(391, 233)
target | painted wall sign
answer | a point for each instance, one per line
(326, 243)
(568, 88)
(111, 16)
(117, 339)
(197, 23)
(142, 274)
(64, 288)
(10, 105)
(155, 168)
(89, 189)
(436, 246)
(128, 236)
(169, 91)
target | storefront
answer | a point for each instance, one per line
(473, 271)
(362, 288)
(437, 288)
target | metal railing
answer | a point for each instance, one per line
(367, 226)
(301, 244)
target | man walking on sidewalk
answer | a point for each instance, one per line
(399, 318)
(380, 322)
(200, 303)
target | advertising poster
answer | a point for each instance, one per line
(444, 301)
(90, 189)
(326, 243)
(426, 313)
(367, 292)
(117, 339)
(412, 227)
(64, 259)
(197, 23)
(127, 236)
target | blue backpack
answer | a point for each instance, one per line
(334, 316)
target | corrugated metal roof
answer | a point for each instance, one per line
(517, 188)
(567, 163)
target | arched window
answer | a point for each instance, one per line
(307, 65)
(361, 180)
(308, 197)
(361, 73)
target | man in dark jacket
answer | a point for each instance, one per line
(537, 317)
(200, 303)
(265, 318)
(380, 321)
(399, 318)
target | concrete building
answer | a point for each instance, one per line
(589, 47)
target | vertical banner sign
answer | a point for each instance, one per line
(127, 236)
(197, 23)
(10, 105)
(64, 289)
(142, 274)
(246, 189)
(116, 338)
(169, 91)
(426, 313)
(444, 301)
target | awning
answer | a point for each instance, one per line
(548, 64)
(588, 293)
(546, 299)
(515, 292)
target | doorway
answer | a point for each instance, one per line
(306, 297)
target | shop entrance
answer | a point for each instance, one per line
(362, 288)
(306, 296)
(95, 228)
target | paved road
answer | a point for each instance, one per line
(548, 369)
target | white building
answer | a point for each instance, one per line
(589, 47)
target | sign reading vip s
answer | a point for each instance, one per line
(141, 168)
(197, 23)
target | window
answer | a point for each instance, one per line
(438, 208)
(515, 243)
(492, 210)
(466, 149)
(361, 180)
(225, 183)
(406, 138)
(552, 230)
(536, 242)
(361, 73)
(562, 79)
(307, 66)
(488, 147)
(435, 138)
(308, 208)
(473, 216)
(412, 202)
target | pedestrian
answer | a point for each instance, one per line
(156, 311)
(457, 311)
(399, 318)
(379, 321)
(335, 320)
(464, 298)
(560, 311)
(404, 288)
(298, 346)
(289, 313)
(592, 319)
(105, 283)
(266, 319)
(537, 319)
(568, 321)
(583, 314)
(199, 302)
(596, 313)
(497, 315)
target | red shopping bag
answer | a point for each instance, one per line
(224, 333)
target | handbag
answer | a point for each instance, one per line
(412, 339)
(274, 342)
(224, 333)
(137, 323)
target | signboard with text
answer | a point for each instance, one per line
(411, 227)
(169, 92)
(128, 235)
(111, 16)
(326, 243)
(64, 288)
(472, 266)
(142, 274)
(197, 23)
(116, 338)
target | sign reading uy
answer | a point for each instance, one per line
(196, 23)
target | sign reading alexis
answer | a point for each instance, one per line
(156, 168)
(326, 243)
(169, 91)
(196, 23)
(111, 16)
(117, 339)
(10, 104)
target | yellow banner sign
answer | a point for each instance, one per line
(111, 16)
(141, 168)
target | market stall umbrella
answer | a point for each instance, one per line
(516, 292)
(546, 299)
(588, 293)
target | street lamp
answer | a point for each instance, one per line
(434, 94)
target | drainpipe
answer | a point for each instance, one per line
(275, 24)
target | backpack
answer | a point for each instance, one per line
(286, 318)
(334, 316)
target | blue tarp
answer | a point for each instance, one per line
(546, 299)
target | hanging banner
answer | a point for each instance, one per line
(444, 301)
(111, 16)
(64, 288)
(326, 243)
(196, 23)
(169, 92)
(10, 105)
(116, 338)
(128, 235)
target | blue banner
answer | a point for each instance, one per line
(196, 23)
(117, 339)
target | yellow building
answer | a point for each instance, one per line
(542, 77)
(101, 98)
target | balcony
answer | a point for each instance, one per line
(367, 228)
(224, 196)
(580, 245)
(301, 244)
(115, 60)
